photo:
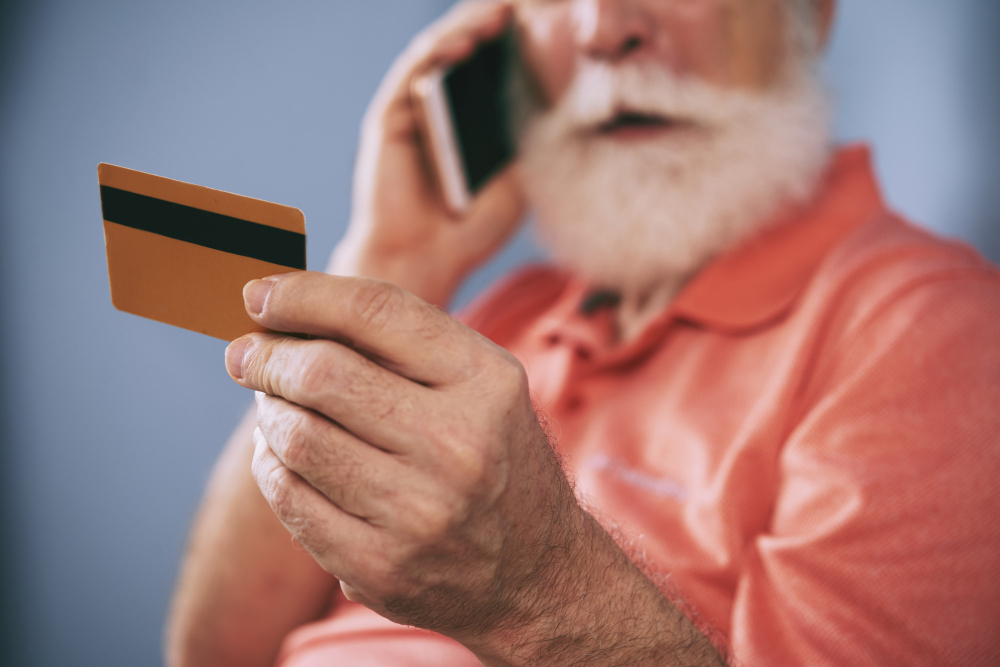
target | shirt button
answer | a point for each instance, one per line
(553, 339)
(583, 354)
(574, 402)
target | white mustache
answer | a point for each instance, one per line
(600, 92)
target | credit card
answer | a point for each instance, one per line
(180, 253)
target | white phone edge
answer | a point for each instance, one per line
(440, 130)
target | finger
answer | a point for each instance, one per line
(449, 40)
(329, 534)
(467, 24)
(358, 478)
(453, 36)
(338, 383)
(494, 215)
(400, 330)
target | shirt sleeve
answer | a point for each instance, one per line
(884, 543)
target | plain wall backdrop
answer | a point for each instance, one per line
(109, 423)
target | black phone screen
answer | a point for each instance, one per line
(477, 92)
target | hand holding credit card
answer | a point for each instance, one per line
(180, 253)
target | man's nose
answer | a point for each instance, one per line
(612, 29)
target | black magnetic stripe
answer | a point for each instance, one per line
(204, 228)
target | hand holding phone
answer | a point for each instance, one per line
(402, 230)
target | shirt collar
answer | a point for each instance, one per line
(754, 284)
(759, 281)
(750, 286)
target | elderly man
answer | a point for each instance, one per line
(750, 414)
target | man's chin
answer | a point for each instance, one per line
(628, 207)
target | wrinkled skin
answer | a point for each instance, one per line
(402, 450)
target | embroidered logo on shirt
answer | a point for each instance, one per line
(619, 468)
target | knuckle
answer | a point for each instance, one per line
(256, 360)
(280, 495)
(298, 440)
(281, 367)
(352, 474)
(462, 456)
(266, 362)
(350, 482)
(314, 370)
(429, 523)
(277, 486)
(515, 370)
(470, 465)
(375, 303)
(508, 374)
(257, 468)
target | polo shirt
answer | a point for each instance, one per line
(806, 441)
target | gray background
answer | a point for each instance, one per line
(109, 423)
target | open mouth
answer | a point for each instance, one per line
(636, 123)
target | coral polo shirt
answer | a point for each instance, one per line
(807, 440)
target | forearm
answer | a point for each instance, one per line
(244, 584)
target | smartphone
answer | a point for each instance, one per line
(466, 117)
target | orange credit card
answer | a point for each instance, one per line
(181, 253)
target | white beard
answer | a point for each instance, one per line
(631, 214)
